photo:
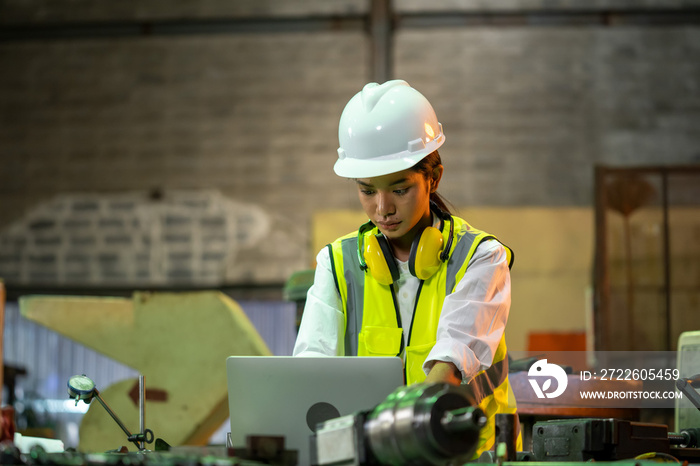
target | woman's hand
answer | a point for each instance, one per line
(444, 372)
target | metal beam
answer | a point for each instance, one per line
(589, 17)
(382, 37)
(380, 22)
(106, 29)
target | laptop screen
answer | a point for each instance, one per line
(288, 396)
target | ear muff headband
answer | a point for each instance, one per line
(444, 216)
(446, 250)
(360, 243)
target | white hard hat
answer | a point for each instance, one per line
(386, 128)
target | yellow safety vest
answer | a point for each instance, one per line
(373, 323)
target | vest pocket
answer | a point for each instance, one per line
(415, 357)
(379, 341)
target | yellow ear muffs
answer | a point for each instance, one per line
(425, 259)
(380, 260)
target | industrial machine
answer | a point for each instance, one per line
(422, 424)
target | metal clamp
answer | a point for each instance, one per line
(81, 387)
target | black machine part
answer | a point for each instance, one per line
(686, 438)
(596, 439)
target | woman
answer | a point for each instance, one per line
(414, 281)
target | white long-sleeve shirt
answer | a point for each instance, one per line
(471, 324)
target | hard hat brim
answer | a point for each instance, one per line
(358, 168)
(351, 167)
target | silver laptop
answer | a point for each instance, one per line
(288, 396)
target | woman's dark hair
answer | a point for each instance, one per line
(426, 166)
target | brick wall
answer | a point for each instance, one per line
(527, 110)
(127, 239)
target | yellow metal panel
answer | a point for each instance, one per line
(178, 341)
